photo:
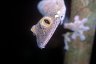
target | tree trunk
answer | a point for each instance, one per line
(80, 51)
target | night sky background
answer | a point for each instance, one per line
(25, 15)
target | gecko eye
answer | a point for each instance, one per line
(46, 22)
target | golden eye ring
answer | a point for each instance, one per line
(46, 21)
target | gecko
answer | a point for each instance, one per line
(53, 12)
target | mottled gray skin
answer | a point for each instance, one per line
(54, 9)
(43, 33)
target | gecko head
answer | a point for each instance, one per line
(44, 30)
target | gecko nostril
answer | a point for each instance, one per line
(46, 21)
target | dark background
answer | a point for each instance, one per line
(25, 15)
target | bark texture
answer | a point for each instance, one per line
(80, 51)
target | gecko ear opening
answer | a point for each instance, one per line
(46, 22)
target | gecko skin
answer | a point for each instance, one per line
(53, 12)
(52, 8)
(44, 30)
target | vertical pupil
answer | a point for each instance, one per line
(46, 21)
